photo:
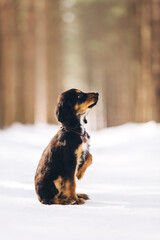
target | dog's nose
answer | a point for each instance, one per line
(97, 94)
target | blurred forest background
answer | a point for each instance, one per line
(109, 46)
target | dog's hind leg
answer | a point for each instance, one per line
(69, 192)
(48, 190)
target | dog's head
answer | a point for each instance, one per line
(72, 104)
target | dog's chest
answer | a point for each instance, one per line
(85, 140)
(82, 148)
(85, 144)
(82, 151)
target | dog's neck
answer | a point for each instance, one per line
(83, 121)
(80, 130)
(81, 126)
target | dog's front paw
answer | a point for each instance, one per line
(79, 201)
(70, 201)
(80, 174)
(83, 196)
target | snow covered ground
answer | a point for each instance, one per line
(123, 184)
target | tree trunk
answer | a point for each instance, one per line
(54, 57)
(145, 90)
(155, 57)
(29, 63)
(41, 75)
(7, 64)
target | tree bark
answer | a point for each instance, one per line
(8, 78)
(29, 63)
(53, 56)
(155, 58)
(41, 63)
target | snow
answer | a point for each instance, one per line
(123, 184)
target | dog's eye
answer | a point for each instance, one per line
(79, 95)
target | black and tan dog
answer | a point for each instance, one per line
(65, 158)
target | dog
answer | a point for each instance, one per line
(67, 155)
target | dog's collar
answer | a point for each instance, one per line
(83, 135)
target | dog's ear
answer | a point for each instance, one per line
(66, 114)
